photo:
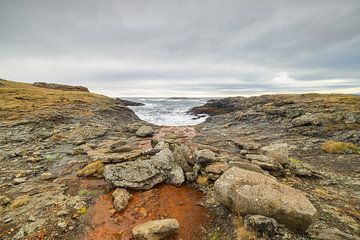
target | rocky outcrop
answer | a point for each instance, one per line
(128, 103)
(144, 174)
(248, 192)
(60, 87)
(155, 230)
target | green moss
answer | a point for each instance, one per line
(294, 160)
(215, 235)
(82, 210)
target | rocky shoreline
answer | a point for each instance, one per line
(268, 167)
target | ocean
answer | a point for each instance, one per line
(168, 111)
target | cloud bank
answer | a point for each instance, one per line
(184, 47)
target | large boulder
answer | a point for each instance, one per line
(279, 152)
(248, 192)
(155, 230)
(144, 174)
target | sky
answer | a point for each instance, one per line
(183, 47)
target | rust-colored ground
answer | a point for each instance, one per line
(163, 201)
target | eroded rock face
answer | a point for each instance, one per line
(247, 192)
(144, 174)
(306, 119)
(121, 199)
(155, 230)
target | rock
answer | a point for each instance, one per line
(205, 156)
(265, 162)
(92, 169)
(19, 180)
(247, 145)
(161, 146)
(144, 174)
(191, 176)
(216, 168)
(60, 87)
(121, 199)
(279, 152)
(248, 192)
(247, 166)
(106, 157)
(155, 230)
(305, 120)
(181, 157)
(144, 131)
(4, 200)
(334, 234)
(47, 176)
(261, 224)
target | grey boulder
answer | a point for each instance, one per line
(250, 193)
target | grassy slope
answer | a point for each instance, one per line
(22, 100)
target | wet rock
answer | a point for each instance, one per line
(205, 156)
(92, 169)
(265, 162)
(306, 119)
(248, 192)
(265, 226)
(121, 199)
(334, 234)
(4, 200)
(279, 152)
(144, 131)
(155, 230)
(144, 174)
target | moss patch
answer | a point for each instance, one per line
(20, 201)
(340, 147)
(94, 168)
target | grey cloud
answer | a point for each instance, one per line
(188, 45)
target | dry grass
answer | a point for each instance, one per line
(340, 147)
(22, 100)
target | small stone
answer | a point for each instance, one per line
(121, 199)
(31, 219)
(19, 180)
(144, 131)
(279, 152)
(261, 224)
(62, 225)
(47, 176)
(155, 230)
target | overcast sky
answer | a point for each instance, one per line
(183, 48)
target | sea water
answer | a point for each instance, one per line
(169, 111)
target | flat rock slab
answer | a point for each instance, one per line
(247, 192)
